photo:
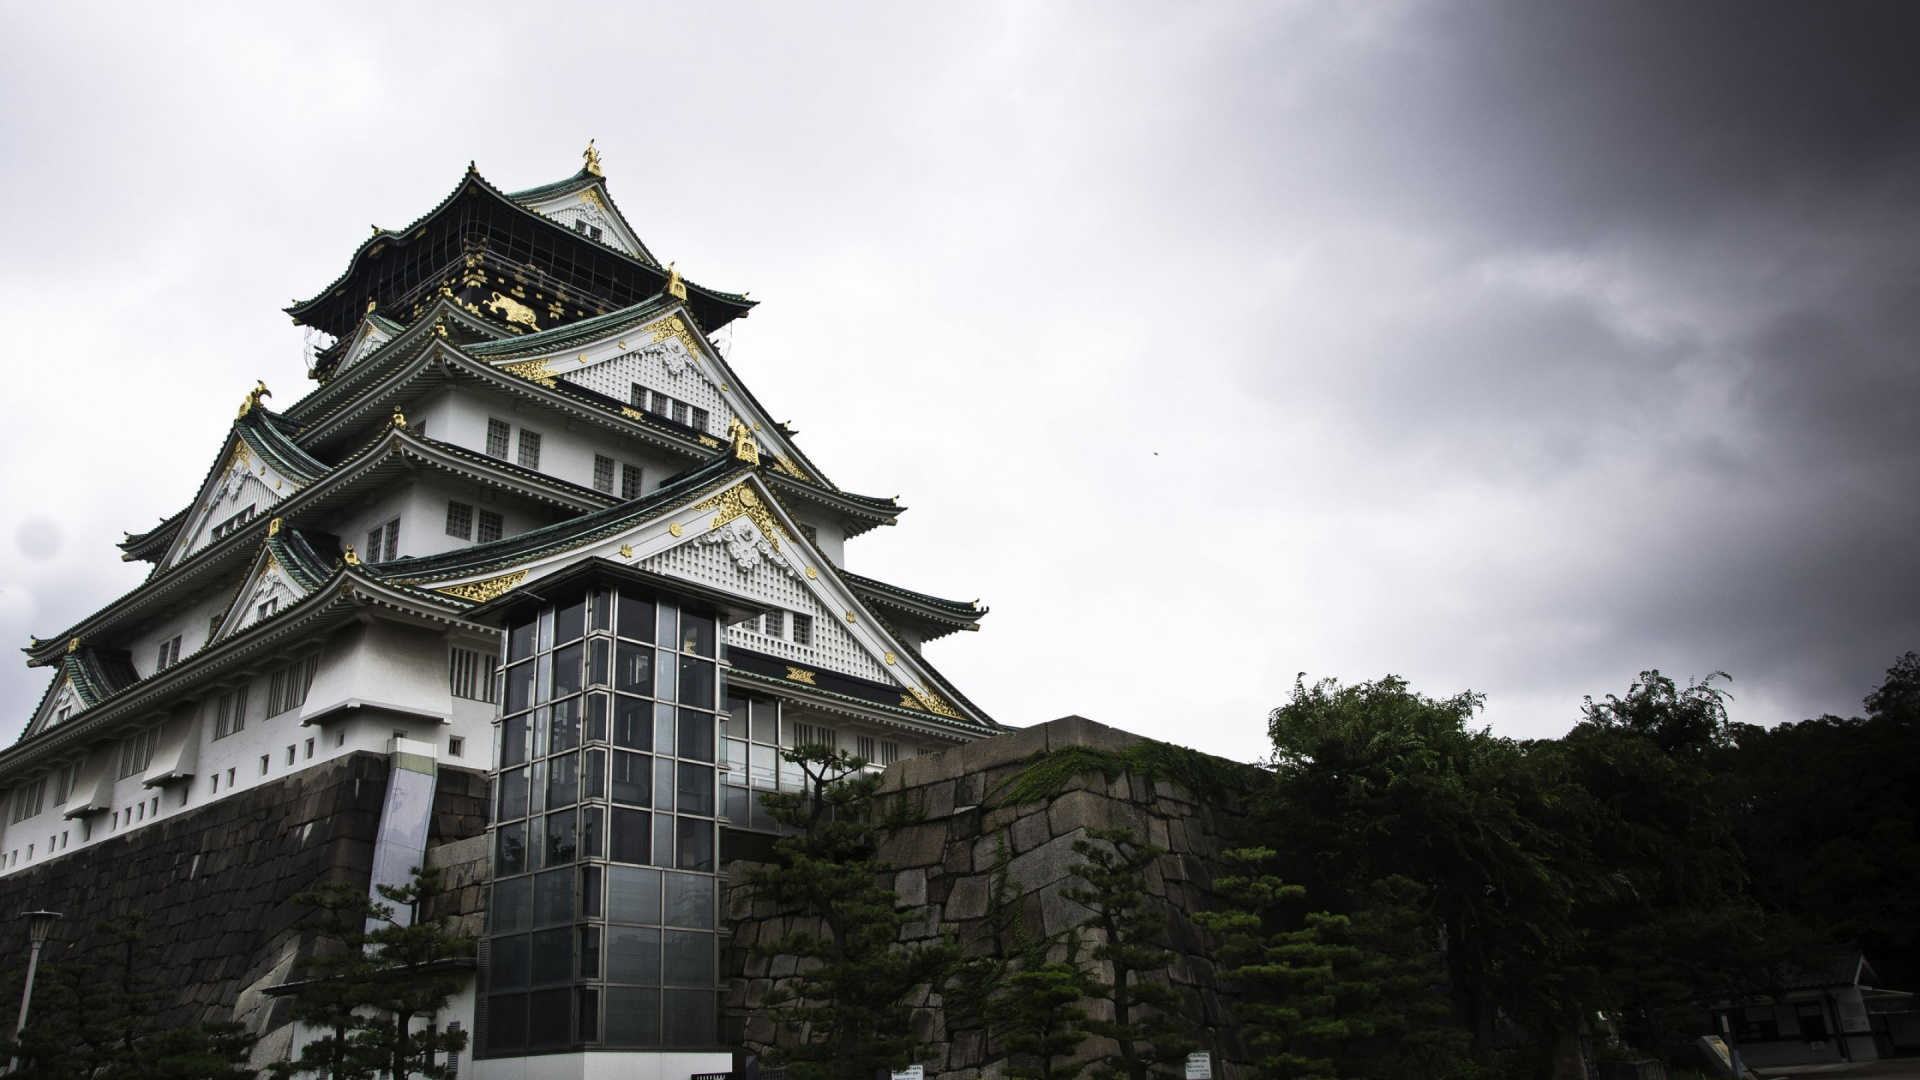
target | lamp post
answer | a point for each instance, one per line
(39, 925)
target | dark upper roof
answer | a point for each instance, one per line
(479, 229)
(98, 674)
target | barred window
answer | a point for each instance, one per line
(529, 448)
(383, 542)
(169, 654)
(28, 799)
(698, 419)
(603, 473)
(802, 629)
(287, 688)
(630, 481)
(230, 713)
(470, 674)
(863, 747)
(814, 735)
(889, 753)
(227, 527)
(491, 527)
(63, 778)
(498, 432)
(775, 624)
(459, 520)
(136, 752)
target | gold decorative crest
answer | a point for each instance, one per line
(676, 287)
(744, 447)
(482, 591)
(673, 326)
(890, 659)
(273, 527)
(532, 370)
(799, 675)
(741, 500)
(626, 551)
(785, 464)
(674, 528)
(513, 311)
(592, 158)
(933, 703)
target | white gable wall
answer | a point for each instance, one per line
(460, 417)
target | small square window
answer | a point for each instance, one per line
(309, 749)
(603, 473)
(456, 746)
(802, 629)
(290, 755)
(498, 434)
(630, 481)
(460, 520)
(491, 526)
(529, 449)
(263, 764)
(698, 418)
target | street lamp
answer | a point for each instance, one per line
(39, 925)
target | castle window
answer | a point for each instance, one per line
(802, 629)
(456, 746)
(630, 481)
(498, 432)
(260, 613)
(529, 448)
(459, 520)
(889, 753)
(136, 752)
(287, 689)
(470, 674)
(491, 526)
(383, 542)
(230, 713)
(774, 624)
(27, 800)
(169, 654)
(603, 473)
(227, 527)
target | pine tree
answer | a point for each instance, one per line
(98, 1017)
(381, 973)
(849, 1003)
(1041, 1014)
(1148, 1028)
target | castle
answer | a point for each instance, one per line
(528, 567)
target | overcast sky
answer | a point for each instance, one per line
(1513, 347)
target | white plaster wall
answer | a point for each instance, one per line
(460, 417)
(384, 665)
(603, 1065)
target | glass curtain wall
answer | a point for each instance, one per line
(604, 913)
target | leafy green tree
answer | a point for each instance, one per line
(849, 1002)
(1147, 1027)
(1828, 818)
(375, 975)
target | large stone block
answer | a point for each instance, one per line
(916, 845)
(1080, 731)
(1048, 863)
(968, 900)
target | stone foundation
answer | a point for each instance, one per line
(217, 882)
(943, 870)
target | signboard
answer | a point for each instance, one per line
(911, 1072)
(1200, 1066)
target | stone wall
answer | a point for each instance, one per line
(944, 866)
(216, 882)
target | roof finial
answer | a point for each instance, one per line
(593, 160)
(73, 645)
(744, 447)
(350, 558)
(253, 397)
(676, 286)
(399, 418)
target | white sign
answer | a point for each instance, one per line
(1200, 1066)
(911, 1072)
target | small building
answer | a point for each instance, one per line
(528, 574)
(1836, 1012)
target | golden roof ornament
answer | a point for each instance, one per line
(273, 527)
(744, 447)
(676, 286)
(253, 397)
(73, 644)
(350, 558)
(399, 418)
(592, 157)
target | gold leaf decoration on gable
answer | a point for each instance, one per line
(799, 675)
(708, 440)
(907, 702)
(933, 703)
(626, 551)
(533, 371)
(482, 591)
(785, 464)
(674, 528)
(739, 501)
(673, 326)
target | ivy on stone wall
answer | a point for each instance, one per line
(1049, 772)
